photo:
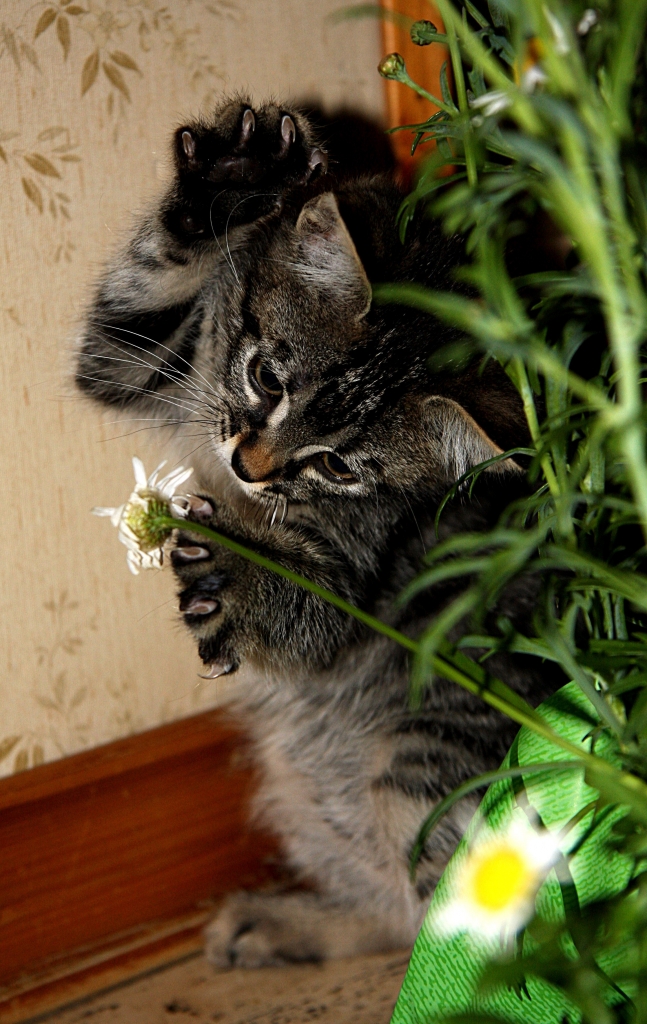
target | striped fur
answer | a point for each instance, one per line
(239, 317)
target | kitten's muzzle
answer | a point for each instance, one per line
(254, 463)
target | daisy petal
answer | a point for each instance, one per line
(141, 479)
(169, 484)
(151, 483)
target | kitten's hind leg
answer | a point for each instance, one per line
(260, 929)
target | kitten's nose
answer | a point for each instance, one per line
(253, 463)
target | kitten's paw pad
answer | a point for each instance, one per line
(195, 508)
(193, 564)
(248, 125)
(200, 606)
(200, 509)
(318, 161)
(188, 145)
(288, 133)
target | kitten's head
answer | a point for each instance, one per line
(323, 397)
(284, 375)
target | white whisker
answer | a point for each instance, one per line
(144, 337)
(172, 373)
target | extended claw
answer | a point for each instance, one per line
(217, 669)
(288, 132)
(318, 158)
(248, 126)
(188, 144)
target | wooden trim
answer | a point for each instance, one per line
(423, 63)
(183, 737)
(112, 859)
(81, 975)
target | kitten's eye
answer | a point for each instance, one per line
(267, 380)
(191, 225)
(336, 467)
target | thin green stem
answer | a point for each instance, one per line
(527, 397)
(407, 80)
(463, 106)
(633, 791)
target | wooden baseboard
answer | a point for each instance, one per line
(113, 859)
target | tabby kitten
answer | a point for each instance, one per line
(240, 315)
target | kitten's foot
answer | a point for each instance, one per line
(244, 934)
(248, 152)
(263, 930)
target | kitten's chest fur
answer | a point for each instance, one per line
(349, 770)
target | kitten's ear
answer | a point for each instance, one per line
(458, 443)
(328, 258)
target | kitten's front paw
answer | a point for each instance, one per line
(208, 594)
(244, 146)
(242, 150)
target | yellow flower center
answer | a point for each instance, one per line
(500, 877)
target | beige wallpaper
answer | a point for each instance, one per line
(89, 92)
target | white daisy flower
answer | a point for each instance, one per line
(494, 888)
(136, 518)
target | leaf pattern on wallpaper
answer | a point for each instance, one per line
(112, 25)
(15, 47)
(30, 754)
(114, 30)
(56, 692)
(105, 57)
(41, 168)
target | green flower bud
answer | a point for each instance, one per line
(392, 66)
(422, 33)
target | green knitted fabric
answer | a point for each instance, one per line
(444, 971)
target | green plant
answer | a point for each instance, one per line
(548, 115)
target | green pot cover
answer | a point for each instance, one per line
(444, 971)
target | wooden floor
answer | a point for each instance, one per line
(360, 990)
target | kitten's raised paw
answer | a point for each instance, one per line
(243, 147)
(234, 168)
